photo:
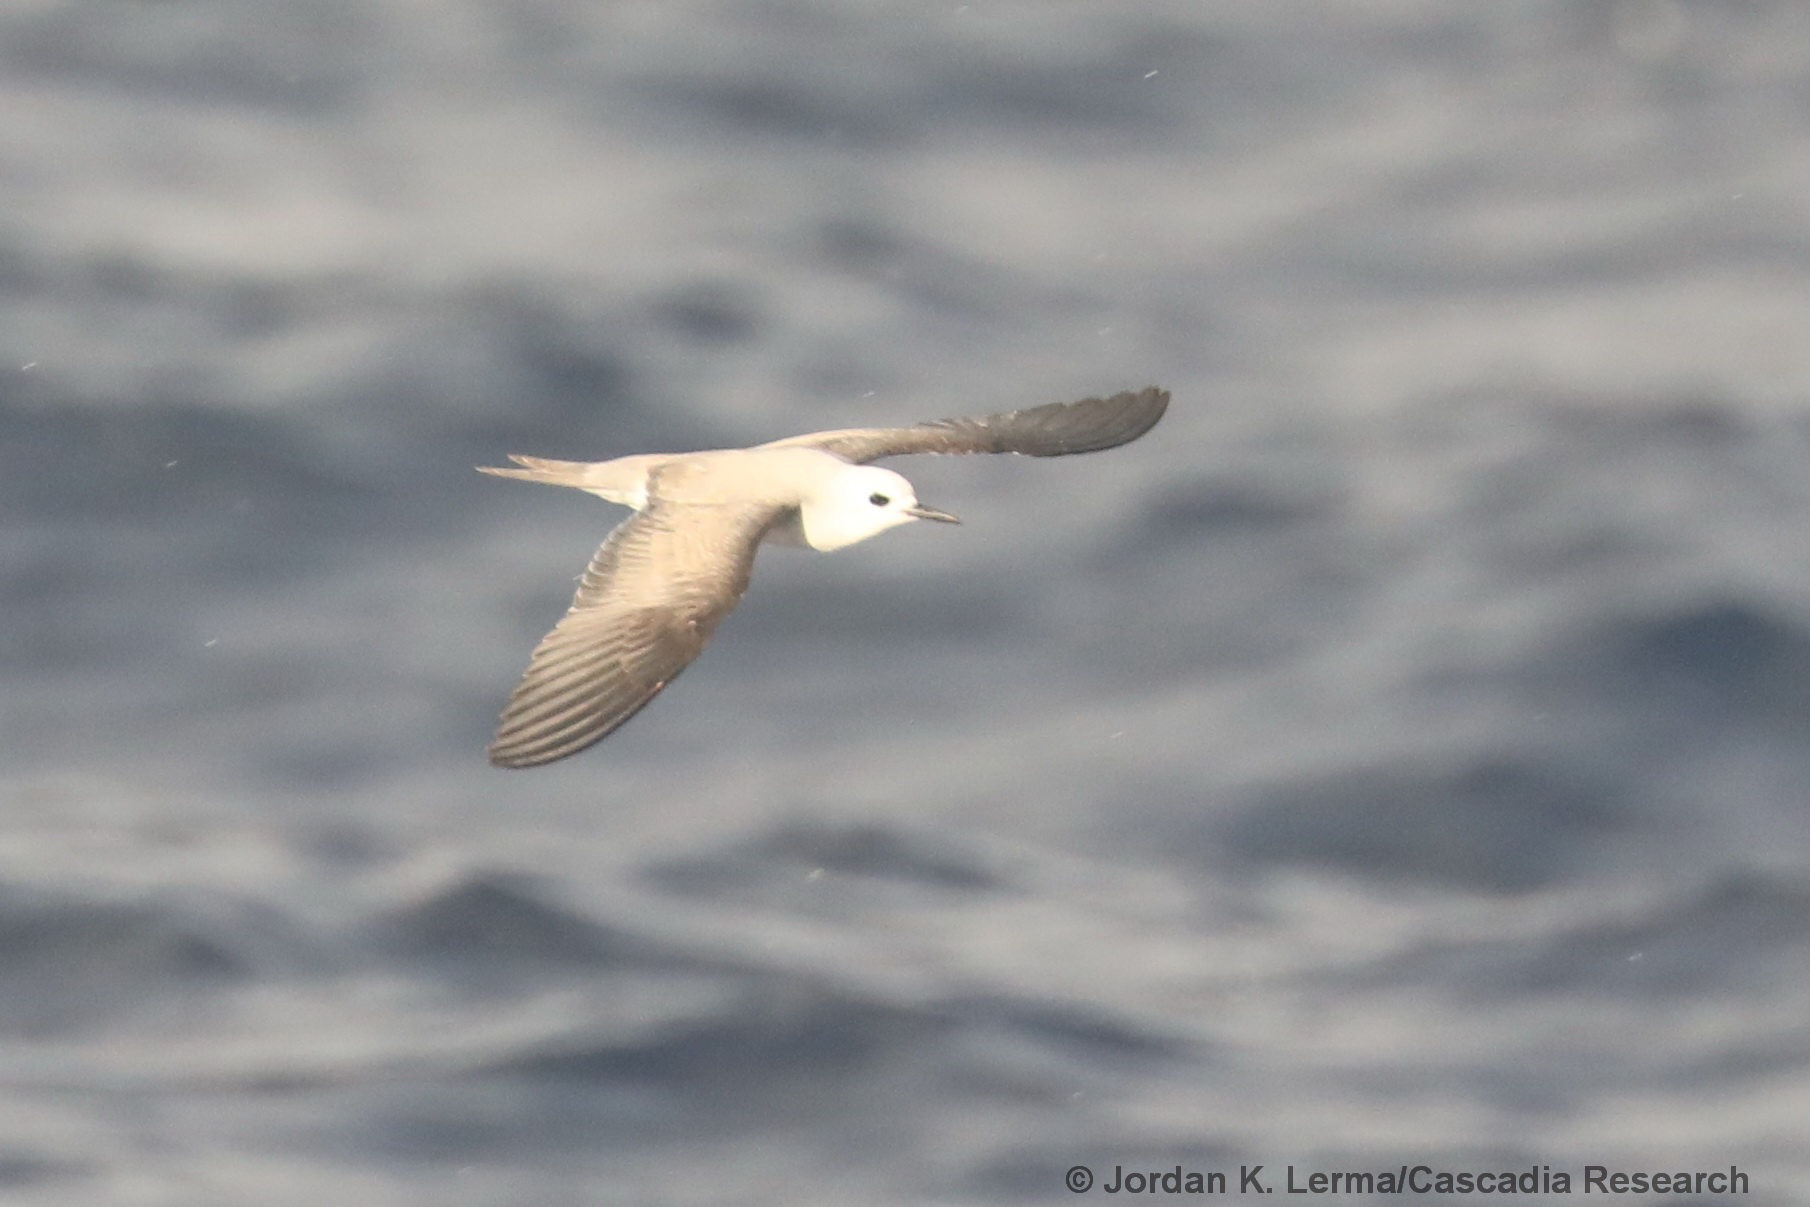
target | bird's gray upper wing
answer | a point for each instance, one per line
(648, 604)
(1055, 430)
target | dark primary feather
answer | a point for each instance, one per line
(647, 606)
(1055, 430)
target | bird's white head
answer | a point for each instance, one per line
(859, 501)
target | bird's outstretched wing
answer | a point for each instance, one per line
(1055, 430)
(647, 605)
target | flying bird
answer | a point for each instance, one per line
(665, 578)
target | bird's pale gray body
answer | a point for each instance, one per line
(656, 590)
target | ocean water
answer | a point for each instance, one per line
(1398, 758)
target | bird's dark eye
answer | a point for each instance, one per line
(878, 499)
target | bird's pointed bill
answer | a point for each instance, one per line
(930, 513)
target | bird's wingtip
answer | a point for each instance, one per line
(1143, 408)
(507, 759)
